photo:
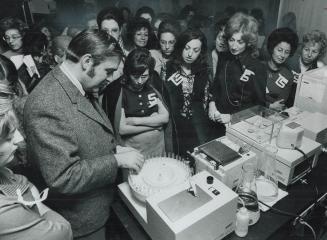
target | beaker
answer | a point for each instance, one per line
(247, 192)
(267, 181)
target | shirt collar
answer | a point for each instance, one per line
(72, 78)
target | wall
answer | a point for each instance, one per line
(310, 15)
(269, 8)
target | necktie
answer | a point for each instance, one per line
(95, 102)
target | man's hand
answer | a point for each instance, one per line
(130, 158)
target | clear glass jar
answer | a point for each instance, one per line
(267, 181)
(247, 191)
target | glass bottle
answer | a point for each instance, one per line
(247, 192)
(267, 181)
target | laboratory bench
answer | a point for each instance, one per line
(271, 225)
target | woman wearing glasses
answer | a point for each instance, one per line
(13, 30)
(167, 34)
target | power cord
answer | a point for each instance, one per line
(299, 217)
(301, 221)
(281, 212)
(310, 167)
(304, 155)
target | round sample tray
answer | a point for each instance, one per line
(158, 174)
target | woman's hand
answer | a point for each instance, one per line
(278, 105)
(214, 114)
(225, 118)
(131, 121)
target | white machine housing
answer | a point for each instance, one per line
(212, 220)
(314, 124)
(231, 173)
(311, 91)
(290, 135)
(291, 164)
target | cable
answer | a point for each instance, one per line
(301, 221)
(299, 217)
(310, 167)
(281, 211)
(304, 156)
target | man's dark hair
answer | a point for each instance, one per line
(97, 43)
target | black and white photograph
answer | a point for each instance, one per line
(163, 119)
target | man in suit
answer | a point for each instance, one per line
(69, 138)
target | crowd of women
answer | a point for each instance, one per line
(170, 92)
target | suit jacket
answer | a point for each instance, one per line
(73, 146)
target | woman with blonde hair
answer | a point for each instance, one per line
(22, 213)
(240, 79)
(310, 55)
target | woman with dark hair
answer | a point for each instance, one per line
(136, 108)
(167, 34)
(13, 31)
(161, 17)
(220, 44)
(139, 34)
(111, 20)
(281, 44)
(186, 78)
(35, 44)
(240, 79)
(146, 13)
(309, 56)
(9, 74)
(187, 13)
(127, 14)
(22, 42)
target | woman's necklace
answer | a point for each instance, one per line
(186, 71)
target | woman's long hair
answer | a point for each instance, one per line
(200, 64)
(9, 73)
(136, 63)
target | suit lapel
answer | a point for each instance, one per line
(84, 105)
